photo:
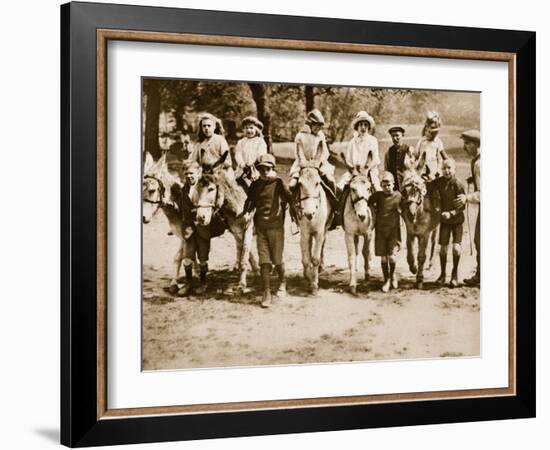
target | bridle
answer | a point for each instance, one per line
(216, 205)
(308, 197)
(359, 198)
(162, 190)
(408, 201)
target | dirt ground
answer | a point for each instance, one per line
(222, 330)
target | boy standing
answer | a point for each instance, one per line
(269, 195)
(386, 204)
(452, 219)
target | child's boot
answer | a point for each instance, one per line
(265, 270)
(281, 292)
(387, 280)
(454, 275)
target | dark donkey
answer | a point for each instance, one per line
(421, 219)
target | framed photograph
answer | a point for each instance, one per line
(274, 224)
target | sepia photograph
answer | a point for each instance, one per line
(303, 224)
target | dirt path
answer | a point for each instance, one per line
(221, 330)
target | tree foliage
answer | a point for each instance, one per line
(282, 107)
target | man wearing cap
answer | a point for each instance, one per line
(180, 144)
(268, 196)
(361, 153)
(399, 156)
(248, 150)
(311, 146)
(472, 142)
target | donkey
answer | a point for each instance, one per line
(358, 221)
(159, 189)
(217, 191)
(421, 220)
(314, 213)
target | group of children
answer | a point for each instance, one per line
(255, 170)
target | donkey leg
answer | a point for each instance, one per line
(352, 262)
(305, 242)
(316, 261)
(366, 254)
(422, 246)
(245, 253)
(433, 243)
(410, 254)
(178, 258)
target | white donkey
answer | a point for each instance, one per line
(314, 213)
(159, 187)
(358, 221)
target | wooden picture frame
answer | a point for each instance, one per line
(85, 417)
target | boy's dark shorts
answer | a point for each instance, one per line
(198, 244)
(270, 245)
(445, 231)
(387, 240)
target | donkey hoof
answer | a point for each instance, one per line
(413, 269)
(367, 277)
(419, 284)
(353, 290)
(173, 289)
(314, 290)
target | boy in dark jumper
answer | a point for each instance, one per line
(452, 220)
(268, 195)
(387, 234)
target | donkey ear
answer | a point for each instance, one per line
(161, 165)
(148, 164)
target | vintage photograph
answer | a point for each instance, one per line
(298, 224)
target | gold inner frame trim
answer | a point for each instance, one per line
(103, 36)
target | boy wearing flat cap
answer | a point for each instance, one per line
(248, 150)
(472, 142)
(309, 140)
(387, 234)
(268, 195)
(399, 157)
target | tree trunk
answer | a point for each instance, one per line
(259, 94)
(310, 98)
(151, 89)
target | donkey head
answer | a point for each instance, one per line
(310, 191)
(207, 198)
(154, 190)
(360, 191)
(413, 190)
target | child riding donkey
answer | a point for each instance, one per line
(311, 150)
(430, 152)
(248, 151)
(361, 156)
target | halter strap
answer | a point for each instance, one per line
(162, 189)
